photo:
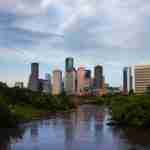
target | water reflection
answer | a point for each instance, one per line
(84, 129)
(8, 136)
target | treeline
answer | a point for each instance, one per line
(128, 110)
(22, 104)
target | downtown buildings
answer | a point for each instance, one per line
(35, 83)
(81, 82)
(76, 82)
(141, 79)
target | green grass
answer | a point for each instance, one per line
(26, 112)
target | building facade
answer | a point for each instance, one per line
(70, 77)
(47, 84)
(142, 78)
(33, 83)
(127, 80)
(57, 82)
(81, 80)
(98, 77)
(88, 82)
(70, 82)
(69, 63)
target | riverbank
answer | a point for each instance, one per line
(19, 105)
(128, 110)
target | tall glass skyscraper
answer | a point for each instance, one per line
(98, 77)
(70, 77)
(35, 69)
(34, 77)
(47, 83)
(57, 82)
(70, 82)
(88, 81)
(69, 64)
(127, 80)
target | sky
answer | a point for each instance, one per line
(113, 33)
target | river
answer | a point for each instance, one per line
(84, 129)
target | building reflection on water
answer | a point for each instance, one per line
(85, 125)
(83, 129)
(34, 131)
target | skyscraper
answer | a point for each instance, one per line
(70, 77)
(142, 78)
(81, 80)
(88, 81)
(70, 82)
(127, 80)
(57, 82)
(98, 77)
(34, 77)
(69, 64)
(47, 84)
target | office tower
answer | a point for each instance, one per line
(19, 85)
(48, 77)
(88, 81)
(47, 84)
(81, 80)
(57, 82)
(98, 77)
(40, 85)
(70, 77)
(127, 80)
(142, 78)
(69, 64)
(70, 82)
(34, 77)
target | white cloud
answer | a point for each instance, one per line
(111, 32)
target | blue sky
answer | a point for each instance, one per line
(113, 33)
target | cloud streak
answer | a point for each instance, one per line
(110, 32)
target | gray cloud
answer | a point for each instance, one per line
(110, 32)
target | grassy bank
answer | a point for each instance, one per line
(17, 105)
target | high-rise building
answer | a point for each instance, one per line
(57, 82)
(34, 77)
(127, 80)
(70, 82)
(70, 77)
(47, 84)
(142, 78)
(81, 80)
(98, 77)
(69, 64)
(48, 77)
(88, 81)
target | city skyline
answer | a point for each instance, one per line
(42, 73)
(114, 34)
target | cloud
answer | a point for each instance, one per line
(110, 32)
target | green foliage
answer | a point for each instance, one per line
(23, 104)
(100, 100)
(7, 118)
(131, 110)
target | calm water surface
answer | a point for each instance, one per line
(84, 129)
